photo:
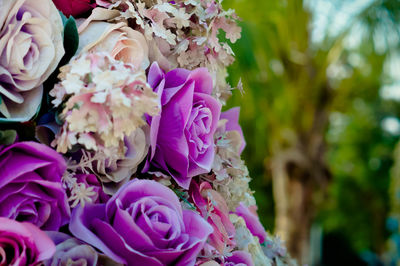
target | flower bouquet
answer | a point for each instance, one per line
(113, 146)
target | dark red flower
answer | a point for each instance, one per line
(74, 7)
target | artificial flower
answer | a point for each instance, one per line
(142, 224)
(136, 149)
(30, 185)
(74, 7)
(121, 41)
(23, 243)
(71, 251)
(184, 34)
(105, 101)
(31, 46)
(182, 135)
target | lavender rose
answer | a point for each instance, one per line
(142, 224)
(23, 243)
(30, 185)
(31, 46)
(71, 251)
(181, 136)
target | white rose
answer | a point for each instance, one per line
(31, 46)
(122, 42)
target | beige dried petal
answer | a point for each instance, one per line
(210, 263)
(98, 14)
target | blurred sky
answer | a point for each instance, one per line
(330, 18)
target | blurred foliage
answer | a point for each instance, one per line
(285, 74)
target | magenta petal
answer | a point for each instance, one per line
(155, 123)
(196, 224)
(37, 150)
(203, 80)
(81, 227)
(156, 74)
(240, 258)
(137, 189)
(179, 172)
(30, 185)
(27, 242)
(117, 243)
(46, 247)
(252, 222)
(133, 234)
(176, 77)
(202, 163)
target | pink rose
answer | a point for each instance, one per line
(74, 7)
(23, 243)
(213, 207)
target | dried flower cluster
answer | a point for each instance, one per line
(185, 33)
(105, 101)
(137, 156)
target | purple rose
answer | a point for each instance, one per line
(249, 214)
(23, 243)
(142, 224)
(232, 124)
(30, 185)
(181, 136)
(71, 251)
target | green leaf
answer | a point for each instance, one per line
(181, 195)
(7, 137)
(71, 39)
(57, 118)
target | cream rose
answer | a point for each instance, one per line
(31, 46)
(122, 42)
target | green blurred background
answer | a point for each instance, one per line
(320, 116)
